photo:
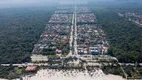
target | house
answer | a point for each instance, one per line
(94, 50)
(31, 68)
(58, 52)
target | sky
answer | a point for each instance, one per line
(28, 1)
(4, 2)
(10, 3)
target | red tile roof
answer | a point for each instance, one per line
(31, 68)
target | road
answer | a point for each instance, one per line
(26, 64)
(46, 64)
(75, 35)
(71, 38)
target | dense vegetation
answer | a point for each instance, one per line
(20, 28)
(10, 72)
(125, 37)
(113, 70)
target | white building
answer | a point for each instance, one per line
(38, 58)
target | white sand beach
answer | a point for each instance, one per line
(47, 74)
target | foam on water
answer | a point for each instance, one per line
(50, 74)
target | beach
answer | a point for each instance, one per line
(46, 74)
